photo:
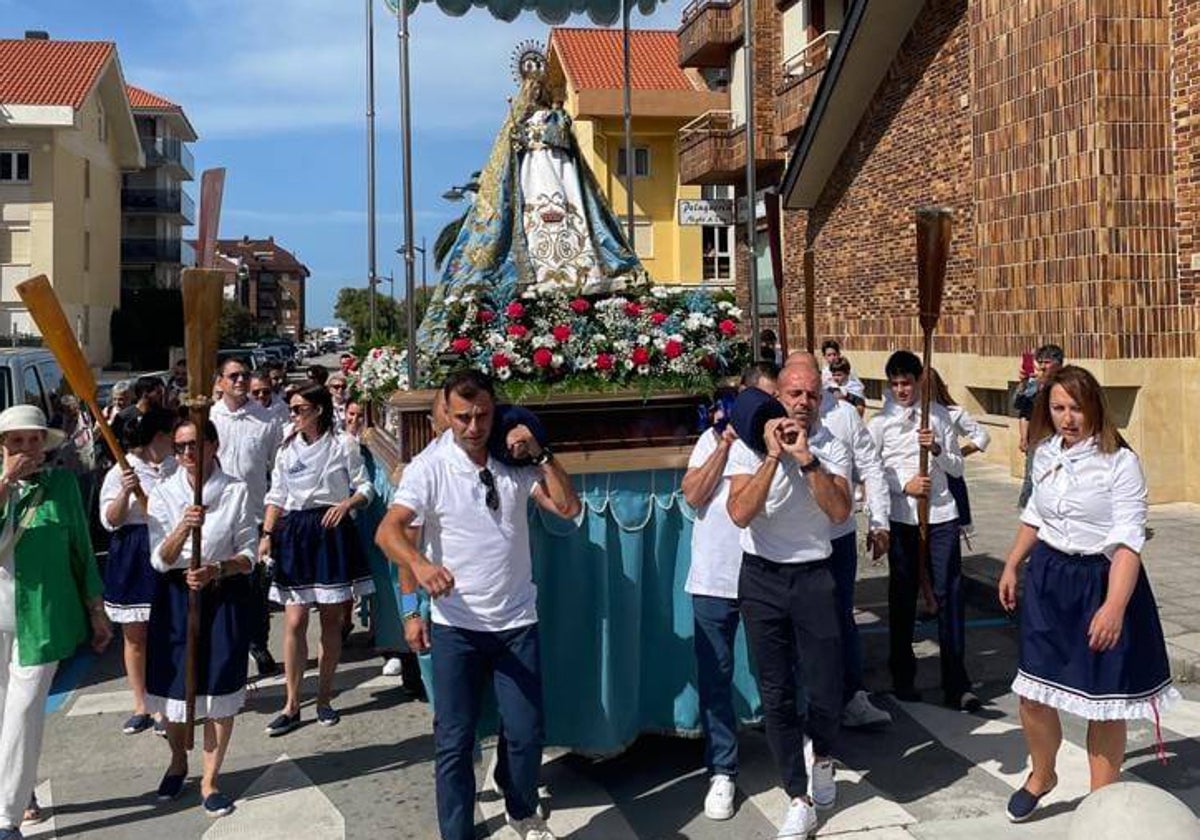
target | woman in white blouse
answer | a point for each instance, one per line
(978, 440)
(129, 579)
(1091, 641)
(308, 532)
(226, 609)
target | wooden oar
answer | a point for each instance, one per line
(203, 293)
(933, 248)
(48, 314)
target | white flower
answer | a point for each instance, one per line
(735, 312)
(504, 373)
(628, 364)
(557, 360)
(723, 305)
(643, 339)
(643, 370)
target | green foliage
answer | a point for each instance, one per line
(519, 391)
(237, 324)
(353, 308)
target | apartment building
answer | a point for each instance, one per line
(66, 136)
(268, 280)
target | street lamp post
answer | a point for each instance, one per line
(371, 266)
(400, 7)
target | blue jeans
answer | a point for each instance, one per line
(844, 564)
(716, 629)
(463, 662)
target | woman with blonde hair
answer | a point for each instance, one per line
(1091, 643)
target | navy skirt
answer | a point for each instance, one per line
(1062, 594)
(129, 579)
(957, 485)
(315, 564)
(222, 650)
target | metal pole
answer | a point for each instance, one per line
(371, 266)
(751, 162)
(629, 156)
(424, 286)
(406, 155)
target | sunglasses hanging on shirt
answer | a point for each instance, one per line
(489, 481)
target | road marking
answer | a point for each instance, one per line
(45, 830)
(67, 679)
(281, 804)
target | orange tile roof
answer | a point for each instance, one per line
(593, 59)
(143, 100)
(34, 72)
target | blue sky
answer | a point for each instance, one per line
(277, 92)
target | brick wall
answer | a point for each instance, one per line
(1185, 106)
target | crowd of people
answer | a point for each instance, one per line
(774, 481)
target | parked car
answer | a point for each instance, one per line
(31, 376)
(251, 355)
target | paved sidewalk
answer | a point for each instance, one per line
(1171, 558)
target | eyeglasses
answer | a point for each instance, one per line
(185, 446)
(237, 375)
(337, 386)
(261, 392)
(299, 409)
(489, 481)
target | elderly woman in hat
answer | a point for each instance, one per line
(50, 596)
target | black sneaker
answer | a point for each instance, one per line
(967, 703)
(265, 663)
(283, 724)
(328, 716)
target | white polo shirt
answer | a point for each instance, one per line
(487, 551)
(791, 528)
(249, 438)
(716, 540)
(894, 431)
(843, 422)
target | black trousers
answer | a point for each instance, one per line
(903, 589)
(260, 607)
(791, 616)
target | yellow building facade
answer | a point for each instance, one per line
(585, 67)
(66, 136)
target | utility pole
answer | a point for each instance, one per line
(627, 10)
(371, 266)
(751, 164)
(406, 155)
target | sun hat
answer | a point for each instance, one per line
(29, 418)
(751, 411)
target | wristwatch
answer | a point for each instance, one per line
(543, 457)
(814, 464)
(408, 616)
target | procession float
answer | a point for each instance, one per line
(542, 290)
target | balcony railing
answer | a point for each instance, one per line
(147, 250)
(709, 31)
(170, 151)
(802, 74)
(712, 150)
(159, 202)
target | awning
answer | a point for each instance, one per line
(870, 39)
(601, 12)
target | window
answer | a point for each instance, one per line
(14, 167)
(768, 300)
(87, 251)
(718, 256)
(34, 395)
(87, 178)
(101, 124)
(641, 162)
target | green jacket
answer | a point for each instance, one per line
(56, 573)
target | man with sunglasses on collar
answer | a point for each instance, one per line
(473, 508)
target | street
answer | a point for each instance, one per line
(933, 774)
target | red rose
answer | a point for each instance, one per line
(674, 349)
(604, 361)
(499, 360)
(517, 330)
(461, 345)
(640, 356)
(542, 357)
(561, 333)
(727, 327)
(633, 309)
(579, 306)
(515, 310)
(486, 316)
(658, 319)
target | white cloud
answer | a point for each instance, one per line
(264, 66)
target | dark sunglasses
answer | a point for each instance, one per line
(235, 376)
(261, 392)
(185, 446)
(299, 409)
(337, 386)
(489, 481)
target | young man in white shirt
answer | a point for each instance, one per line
(897, 433)
(263, 393)
(712, 582)
(785, 499)
(473, 509)
(249, 439)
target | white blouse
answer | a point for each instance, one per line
(894, 430)
(967, 426)
(149, 475)
(1087, 502)
(318, 474)
(230, 528)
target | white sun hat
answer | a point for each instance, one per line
(29, 418)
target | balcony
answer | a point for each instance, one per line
(159, 202)
(709, 32)
(802, 74)
(135, 250)
(171, 153)
(712, 150)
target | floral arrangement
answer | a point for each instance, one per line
(378, 374)
(549, 334)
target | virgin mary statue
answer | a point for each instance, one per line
(538, 218)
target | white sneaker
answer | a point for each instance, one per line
(800, 822)
(861, 712)
(822, 784)
(718, 805)
(392, 667)
(531, 828)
